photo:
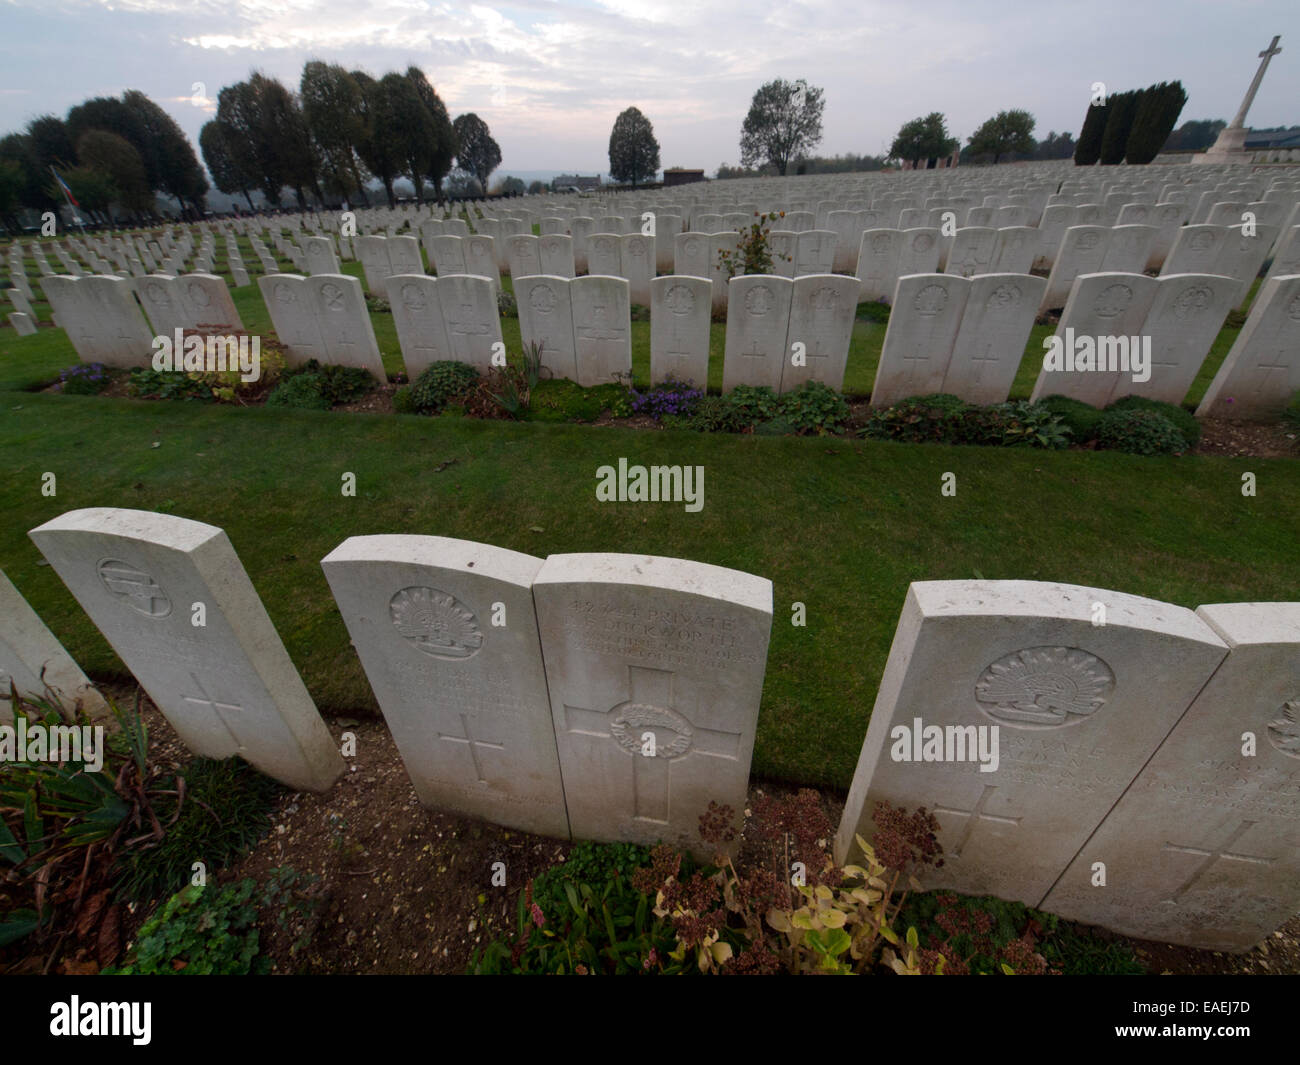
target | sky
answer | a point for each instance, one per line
(549, 77)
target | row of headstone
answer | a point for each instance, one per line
(580, 326)
(605, 696)
(1115, 760)
(450, 318)
(324, 318)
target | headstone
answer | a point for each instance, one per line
(345, 324)
(972, 252)
(822, 311)
(207, 301)
(1204, 847)
(637, 257)
(24, 324)
(546, 319)
(691, 255)
(919, 254)
(1195, 250)
(1102, 320)
(417, 315)
(448, 255)
(877, 268)
(1242, 256)
(667, 227)
(655, 670)
(102, 319)
(680, 316)
(373, 253)
(927, 312)
(227, 687)
(605, 255)
(319, 252)
(447, 633)
(1082, 251)
(473, 323)
(815, 252)
(781, 245)
(1015, 250)
(292, 307)
(1262, 370)
(601, 328)
(995, 327)
(719, 273)
(1078, 708)
(1129, 248)
(758, 319)
(33, 661)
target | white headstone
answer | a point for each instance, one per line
(227, 687)
(822, 311)
(345, 323)
(546, 318)
(680, 316)
(601, 328)
(995, 327)
(293, 317)
(417, 315)
(758, 319)
(927, 312)
(1262, 370)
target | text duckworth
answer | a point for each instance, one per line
(653, 484)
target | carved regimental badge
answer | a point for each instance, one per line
(1044, 687)
(437, 623)
(135, 588)
(1284, 733)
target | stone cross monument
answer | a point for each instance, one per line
(1230, 147)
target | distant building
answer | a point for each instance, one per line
(1259, 139)
(573, 181)
(678, 176)
(942, 163)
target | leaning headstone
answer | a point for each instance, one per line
(605, 255)
(1055, 714)
(655, 671)
(815, 252)
(927, 312)
(373, 253)
(33, 661)
(1015, 250)
(680, 315)
(1203, 849)
(1129, 248)
(1102, 321)
(1183, 322)
(417, 315)
(227, 686)
(522, 255)
(292, 307)
(1262, 370)
(447, 633)
(556, 254)
(602, 330)
(822, 310)
(1242, 255)
(345, 324)
(1082, 250)
(995, 327)
(469, 308)
(546, 319)
(447, 254)
(24, 324)
(102, 319)
(319, 252)
(877, 269)
(972, 252)
(758, 319)
(481, 258)
(691, 255)
(637, 259)
(207, 301)
(919, 254)
(163, 304)
(1195, 250)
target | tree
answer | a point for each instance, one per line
(1055, 146)
(510, 186)
(477, 153)
(1006, 133)
(267, 136)
(445, 144)
(107, 153)
(784, 121)
(170, 164)
(16, 149)
(536, 187)
(1119, 121)
(633, 150)
(1088, 150)
(1157, 111)
(92, 189)
(1194, 135)
(11, 189)
(222, 165)
(923, 138)
(376, 150)
(333, 108)
(403, 120)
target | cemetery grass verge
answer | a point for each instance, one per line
(839, 525)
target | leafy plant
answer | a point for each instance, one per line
(168, 384)
(200, 931)
(1183, 419)
(403, 401)
(1079, 417)
(669, 398)
(753, 253)
(1139, 432)
(85, 379)
(338, 384)
(303, 391)
(507, 305)
(1017, 423)
(296, 901)
(814, 408)
(440, 382)
(934, 418)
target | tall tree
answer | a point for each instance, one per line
(50, 143)
(11, 190)
(1006, 133)
(633, 150)
(1088, 149)
(377, 150)
(222, 165)
(404, 121)
(1157, 112)
(267, 137)
(16, 148)
(334, 109)
(923, 138)
(1055, 146)
(445, 144)
(1194, 135)
(107, 153)
(477, 152)
(784, 121)
(1119, 121)
(168, 156)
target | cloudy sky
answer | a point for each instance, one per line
(549, 76)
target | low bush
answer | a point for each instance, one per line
(669, 398)
(1079, 417)
(85, 379)
(441, 382)
(1017, 423)
(200, 931)
(1184, 419)
(560, 400)
(814, 409)
(168, 384)
(1139, 432)
(934, 418)
(303, 391)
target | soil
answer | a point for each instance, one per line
(405, 890)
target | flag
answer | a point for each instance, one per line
(63, 185)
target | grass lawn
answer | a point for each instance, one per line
(841, 526)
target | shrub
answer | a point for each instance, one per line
(441, 382)
(781, 425)
(753, 254)
(1018, 423)
(85, 379)
(814, 408)
(168, 384)
(507, 305)
(404, 401)
(339, 384)
(1292, 412)
(303, 391)
(933, 418)
(1184, 419)
(1079, 417)
(1139, 432)
(561, 400)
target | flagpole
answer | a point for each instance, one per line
(68, 196)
